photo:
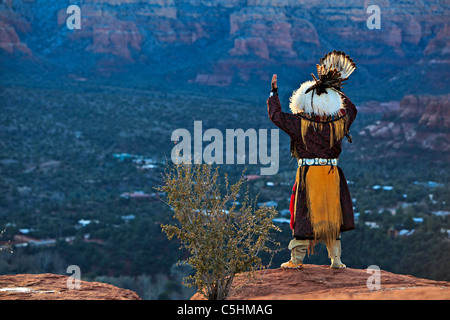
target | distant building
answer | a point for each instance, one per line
(386, 188)
(252, 177)
(446, 231)
(418, 220)
(406, 232)
(128, 217)
(430, 184)
(144, 161)
(19, 239)
(392, 233)
(148, 167)
(441, 213)
(85, 222)
(139, 195)
(372, 225)
(123, 156)
(42, 243)
(281, 220)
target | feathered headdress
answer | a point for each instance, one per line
(334, 68)
(319, 102)
(321, 97)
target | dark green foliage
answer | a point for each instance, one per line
(222, 240)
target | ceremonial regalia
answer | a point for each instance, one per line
(321, 206)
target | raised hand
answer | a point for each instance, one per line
(274, 83)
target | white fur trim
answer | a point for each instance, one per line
(324, 105)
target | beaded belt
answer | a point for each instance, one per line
(317, 162)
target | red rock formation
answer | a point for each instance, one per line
(263, 33)
(378, 107)
(10, 25)
(109, 34)
(322, 283)
(54, 287)
(421, 122)
(440, 43)
(430, 111)
(243, 36)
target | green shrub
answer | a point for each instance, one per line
(222, 240)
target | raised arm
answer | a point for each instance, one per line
(287, 122)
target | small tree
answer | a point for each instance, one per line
(221, 240)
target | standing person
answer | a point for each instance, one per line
(321, 206)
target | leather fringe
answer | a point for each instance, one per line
(338, 128)
(323, 203)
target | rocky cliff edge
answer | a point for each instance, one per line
(49, 286)
(319, 282)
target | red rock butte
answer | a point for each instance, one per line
(420, 121)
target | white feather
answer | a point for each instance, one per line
(324, 105)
